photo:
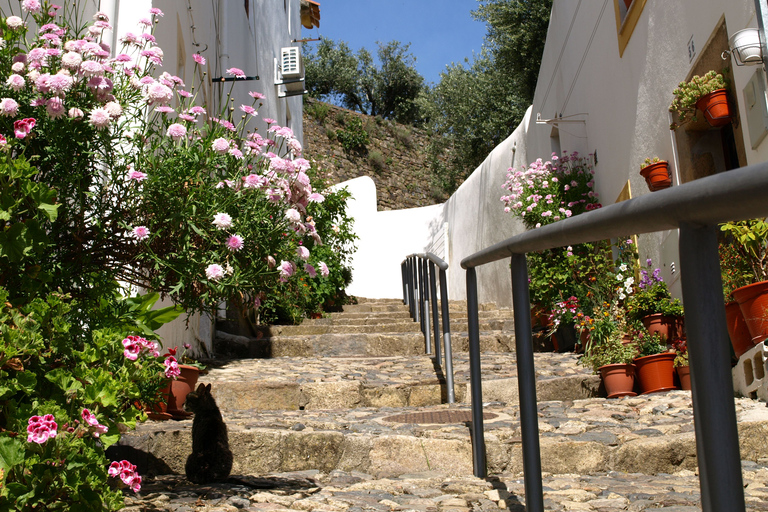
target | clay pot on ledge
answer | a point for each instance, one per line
(684, 376)
(656, 372)
(657, 176)
(753, 302)
(669, 327)
(715, 107)
(618, 379)
(738, 332)
(180, 388)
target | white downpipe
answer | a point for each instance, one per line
(110, 8)
(222, 37)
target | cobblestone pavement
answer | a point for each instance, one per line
(610, 424)
(429, 492)
(395, 370)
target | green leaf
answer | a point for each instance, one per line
(50, 210)
(156, 318)
(63, 380)
(11, 452)
(12, 243)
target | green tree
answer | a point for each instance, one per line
(386, 87)
(471, 110)
(517, 30)
(476, 106)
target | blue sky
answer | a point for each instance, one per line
(440, 31)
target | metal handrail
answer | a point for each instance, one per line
(695, 209)
(419, 285)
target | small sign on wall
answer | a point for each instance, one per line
(691, 50)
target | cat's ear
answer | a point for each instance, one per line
(200, 388)
(208, 388)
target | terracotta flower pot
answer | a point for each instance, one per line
(753, 301)
(180, 388)
(657, 176)
(655, 372)
(715, 108)
(741, 339)
(669, 327)
(619, 379)
(684, 375)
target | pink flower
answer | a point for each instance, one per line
(75, 113)
(91, 68)
(316, 198)
(9, 107)
(247, 109)
(40, 429)
(323, 269)
(309, 269)
(156, 12)
(22, 127)
(199, 59)
(269, 120)
(15, 82)
(286, 270)
(32, 6)
(140, 232)
(172, 369)
(237, 72)
(164, 109)
(197, 110)
(3, 141)
(235, 243)
(55, 107)
(127, 473)
(302, 252)
(176, 131)
(256, 95)
(222, 220)
(214, 272)
(220, 145)
(159, 93)
(136, 175)
(90, 419)
(293, 215)
(14, 22)
(99, 118)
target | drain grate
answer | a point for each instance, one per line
(431, 417)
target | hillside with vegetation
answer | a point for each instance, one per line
(342, 144)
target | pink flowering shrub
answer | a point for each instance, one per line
(545, 192)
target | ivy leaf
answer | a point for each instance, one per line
(50, 210)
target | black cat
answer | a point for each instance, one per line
(211, 459)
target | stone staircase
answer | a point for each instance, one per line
(354, 392)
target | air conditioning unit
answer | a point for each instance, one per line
(291, 65)
(289, 72)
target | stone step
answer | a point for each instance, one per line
(312, 383)
(385, 317)
(309, 328)
(374, 344)
(650, 435)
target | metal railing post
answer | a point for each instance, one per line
(447, 338)
(717, 436)
(475, 378)
(435, 320)
(526, 383)
(403, 273)
(411, 290)
(427, 298)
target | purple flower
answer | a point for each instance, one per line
(302, 252)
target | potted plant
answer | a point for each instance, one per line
(182, 379)
(706, 93)
(749, 239)
(655, 365)
(611, 359)
(656, 173)
(735, 272)
(652, 304)
(681, 364)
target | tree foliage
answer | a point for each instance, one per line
(475, 107)
(517, 30)
(386, 87)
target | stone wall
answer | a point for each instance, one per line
(395, 156)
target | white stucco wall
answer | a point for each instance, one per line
(614, 106)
